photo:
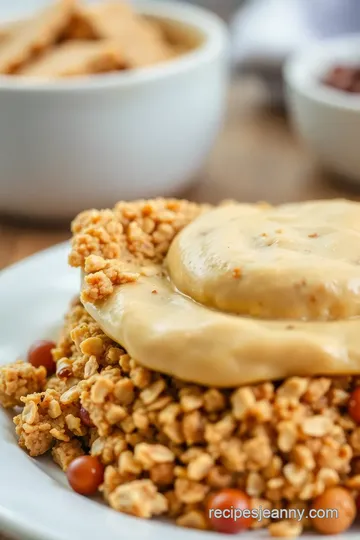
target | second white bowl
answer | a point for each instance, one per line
(328, 120)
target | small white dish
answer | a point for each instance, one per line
(328, 120)
(90, 141)
(36, 502)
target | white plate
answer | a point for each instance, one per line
(35, 500)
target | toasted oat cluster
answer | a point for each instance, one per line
(142, 231)
(166, 445)
(18, 380)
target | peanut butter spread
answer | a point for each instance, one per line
(297, 261)
(244, 293)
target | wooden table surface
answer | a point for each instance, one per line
(256, 158)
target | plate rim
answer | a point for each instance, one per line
(12, 523)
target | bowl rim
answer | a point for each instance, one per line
(299, 68)
(216, 40)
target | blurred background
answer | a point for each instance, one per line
(258, 155)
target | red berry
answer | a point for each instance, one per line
(85, 474)
(230, 501)
(40, 355)
(85, 417)
(354, 405)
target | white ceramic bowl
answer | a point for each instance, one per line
(88, 142)
(328, 120)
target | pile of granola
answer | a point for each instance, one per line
(165, 444)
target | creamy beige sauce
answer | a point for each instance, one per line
(297, 264)
(298, 261)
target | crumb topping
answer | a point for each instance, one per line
(63, 453)
(19, 379)
(106, 242)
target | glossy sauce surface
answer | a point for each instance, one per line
(298, 261)
(233, 312)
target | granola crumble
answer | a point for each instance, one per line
(202, 440)
(19, 379)
(63, 453)
(140, 230)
